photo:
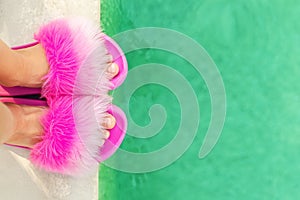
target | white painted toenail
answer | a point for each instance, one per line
(106, 134)
(113, 68)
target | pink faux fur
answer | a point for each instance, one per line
(76, 91)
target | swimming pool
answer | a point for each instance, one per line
(255, 45)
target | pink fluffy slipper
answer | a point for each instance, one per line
(76, 89)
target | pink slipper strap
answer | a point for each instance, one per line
(18, 91)
(23, 101)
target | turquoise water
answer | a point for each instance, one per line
(255, 45)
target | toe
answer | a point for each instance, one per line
(110, 58)
(113, 70)
(109, 122)
(106, 134)
(101, 142)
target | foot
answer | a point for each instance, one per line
(28, 130)
(26, 67)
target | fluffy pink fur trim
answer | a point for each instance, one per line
(76, 91)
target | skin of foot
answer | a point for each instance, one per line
(30, 65)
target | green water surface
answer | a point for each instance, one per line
(256, 46)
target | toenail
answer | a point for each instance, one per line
(106, 134)
(113, 68)
(108, 121)
(102, 141)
